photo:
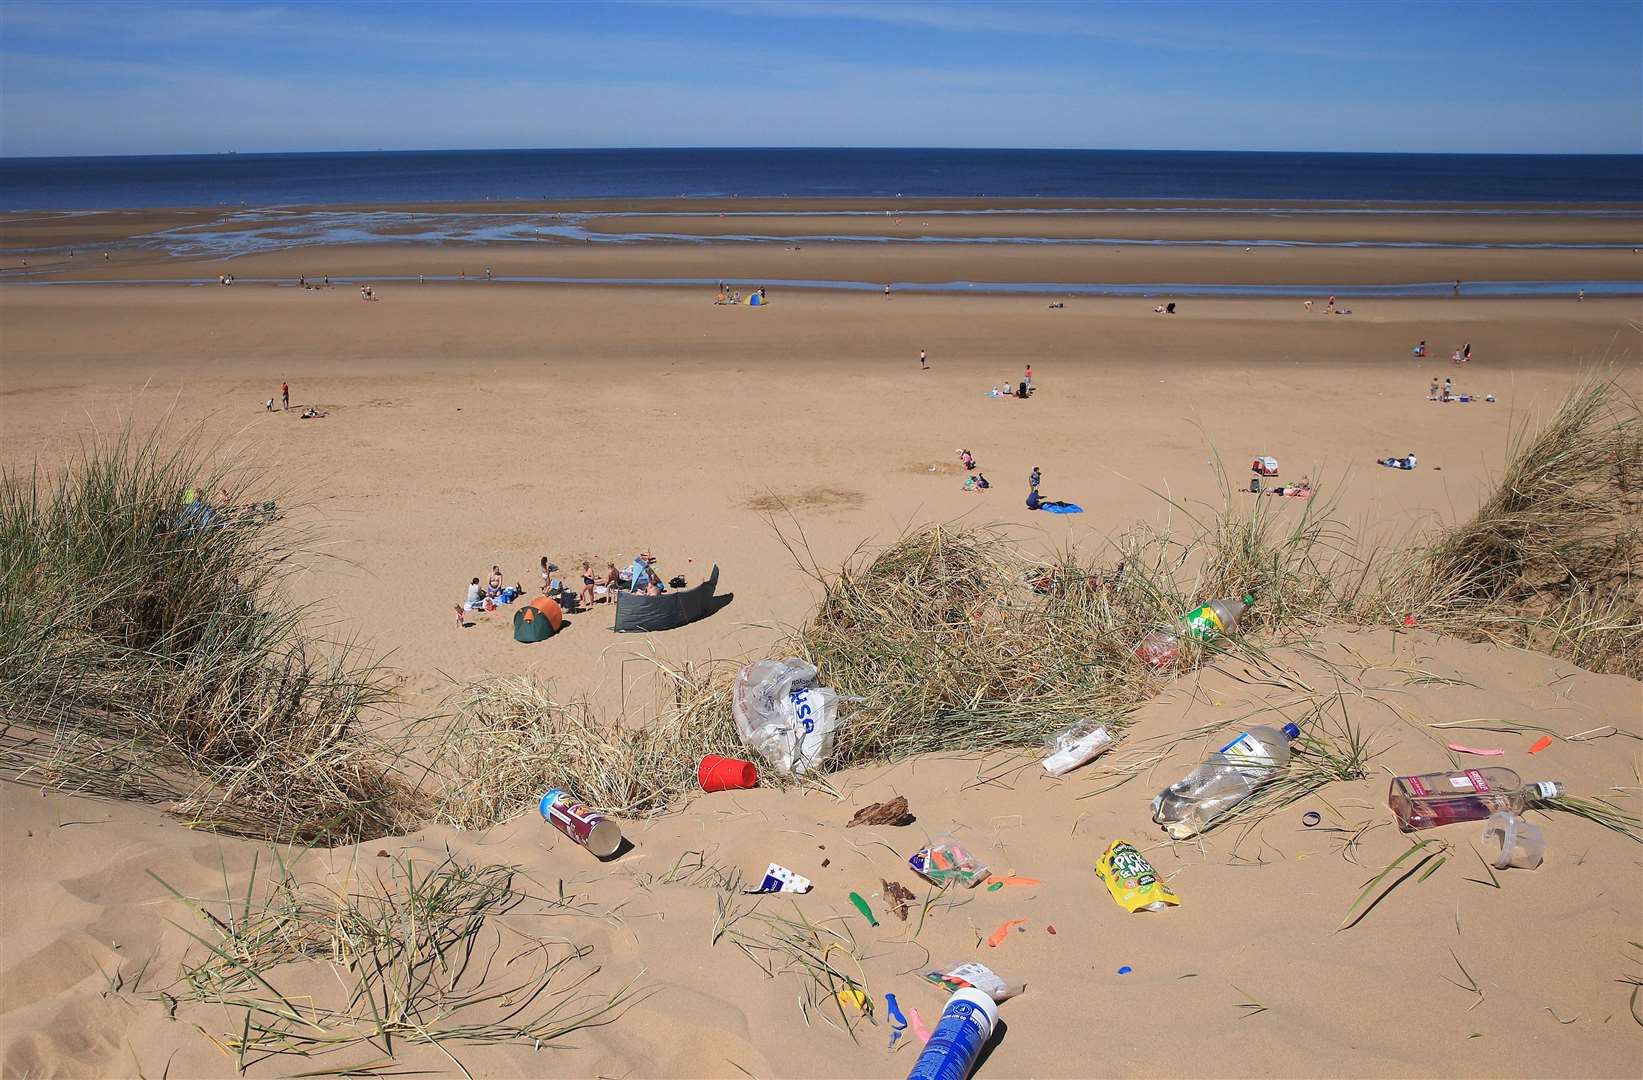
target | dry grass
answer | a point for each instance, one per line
(404, 956)
(1553, 558)
(154, 653)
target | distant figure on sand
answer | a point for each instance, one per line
(285, 396)
(1433, 391)
(1027, 380)
(1033, 480)
(1419, 350)
(887, 291)
(923, 361)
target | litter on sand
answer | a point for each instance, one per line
(1003, 932)
(898, 896)
(1481, 751)
(891, 812)
(861, 906)
(1540, 744)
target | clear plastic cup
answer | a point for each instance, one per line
(1521, 844)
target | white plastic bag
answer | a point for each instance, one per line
(782, 716)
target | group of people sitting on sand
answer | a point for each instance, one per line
(727, 295)
(1446, 393)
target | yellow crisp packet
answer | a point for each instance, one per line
(853, 997)
(1133, 882)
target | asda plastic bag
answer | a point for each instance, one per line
(783, 716)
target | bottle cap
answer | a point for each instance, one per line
(1292, 731)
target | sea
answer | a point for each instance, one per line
(421, 176)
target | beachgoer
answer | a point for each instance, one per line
(285, 395)
(1448, 387)
(887, 291)
(1432, 391)
(981, 481)
(1580, 296)
(588, 585)
(1457, 286)
(1307, 305)
(547, 572)
(312, 413)
(476, 596)
(612, 583)
(761, 294)
(1027, 380)
(1033, 499)
(1466, 353)
(923, 361)
(460, 621)
(493, 584)
(969, 483)
(1033, 480)
(1419, 350)
(1332, 302)
(1454, 357)
(642, 575)
(269, 405)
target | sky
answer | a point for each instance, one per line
(1372, 75)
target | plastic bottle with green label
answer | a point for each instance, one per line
(1162, 647)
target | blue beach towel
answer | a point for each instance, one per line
(1061, 508)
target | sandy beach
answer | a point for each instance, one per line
(472, 423)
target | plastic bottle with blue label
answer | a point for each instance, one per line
(1231, 775)
(965, 1026)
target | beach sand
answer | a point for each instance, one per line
(477, 424)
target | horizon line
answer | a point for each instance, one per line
(864, 148)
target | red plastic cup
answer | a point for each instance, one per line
(726, 773)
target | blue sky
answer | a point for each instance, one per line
(134, 78)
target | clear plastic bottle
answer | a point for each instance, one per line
(1227, 778)
(1162, 647)
(1443, 798)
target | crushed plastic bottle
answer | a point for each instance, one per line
(1188, 806)
(1162, 647)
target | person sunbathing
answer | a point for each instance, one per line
(1294, 491)
(1408, 461)
(981, 482)
(312, 413)
(493, 584)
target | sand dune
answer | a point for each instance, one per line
(474, 424)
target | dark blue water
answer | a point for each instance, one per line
(476, 175)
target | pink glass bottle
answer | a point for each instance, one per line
(1432, 799)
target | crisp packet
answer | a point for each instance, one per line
(1133, 882)
(978, 976)
(945, 861)
(778, 878)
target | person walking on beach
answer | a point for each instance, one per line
(1027, 379)
(887, 290)
(923, 362)
(285, 396)
(1032, 481)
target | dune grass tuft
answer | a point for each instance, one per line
(1553, 558)
(411, 955)
(144, 632)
